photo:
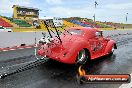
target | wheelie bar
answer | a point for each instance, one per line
(26, 67)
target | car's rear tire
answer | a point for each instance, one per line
(82, 57)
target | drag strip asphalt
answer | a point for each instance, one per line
(53, 74)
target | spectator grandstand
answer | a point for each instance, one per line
(4, 23)
(69, 24)
(80, 23)
(20, 23)
(85, 22)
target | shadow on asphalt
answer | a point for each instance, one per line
(67, 72)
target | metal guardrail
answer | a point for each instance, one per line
(17, 38)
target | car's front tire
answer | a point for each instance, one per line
(112, 51)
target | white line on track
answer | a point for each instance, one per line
(16, 49)
(129, 85)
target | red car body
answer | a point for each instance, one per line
(78, 38)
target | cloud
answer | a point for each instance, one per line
(69, 12)
(22, 2)
(54, 2)
(120, 6)
(102, 14)
(6, 5)
(110, 10)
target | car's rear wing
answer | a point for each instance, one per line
(50, 30)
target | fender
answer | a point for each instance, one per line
(77, 47)
(109, 46)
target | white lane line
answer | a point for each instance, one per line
(129, 85)
(15, 49)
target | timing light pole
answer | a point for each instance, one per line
(126, 17)
(95, 10)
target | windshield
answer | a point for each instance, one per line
(75, 32)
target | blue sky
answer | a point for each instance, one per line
(107, 10)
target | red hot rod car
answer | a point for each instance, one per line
(77, 45)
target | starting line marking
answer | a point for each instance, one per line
(129, 85)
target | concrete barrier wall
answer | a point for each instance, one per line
(28, 38)
(15, 39)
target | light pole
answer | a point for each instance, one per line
(126, 17)
(95, 10)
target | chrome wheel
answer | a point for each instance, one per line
(81, 57)
(113, 49)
